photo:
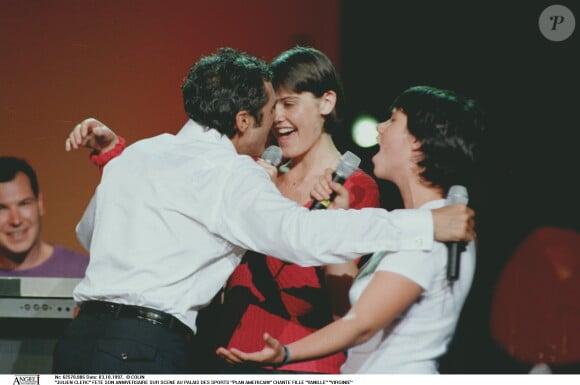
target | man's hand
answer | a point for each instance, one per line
(92, 134)
(454, 223)
(271, 170)
(324, 189)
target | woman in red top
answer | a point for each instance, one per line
(264, 293)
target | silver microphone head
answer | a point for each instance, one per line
(457, 194)
(272, 155)
(347, 164)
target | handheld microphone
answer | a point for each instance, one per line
(456, 194)
(272, 155)
(347, 164)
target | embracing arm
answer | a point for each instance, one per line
(373, 311)
(93, 134)
(454, 223)
(106, 145)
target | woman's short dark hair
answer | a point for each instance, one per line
(305, 69)
(449, 127)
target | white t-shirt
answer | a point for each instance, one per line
(414, 342)
(173, 216)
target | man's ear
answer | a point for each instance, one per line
(327, 102)
(40, 203)
(243, 122)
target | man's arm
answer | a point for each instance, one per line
(453, 223)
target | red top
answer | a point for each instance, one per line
(286, 300)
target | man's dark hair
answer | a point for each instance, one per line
(306, 69)
(449, 127)
(220, 85)
(10, 166)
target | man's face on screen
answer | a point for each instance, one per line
(20, 217)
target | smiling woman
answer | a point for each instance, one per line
(265, 293)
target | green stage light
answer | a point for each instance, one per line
(364, 131)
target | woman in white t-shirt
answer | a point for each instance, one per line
(404, 306)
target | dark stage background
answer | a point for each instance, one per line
(494, 52)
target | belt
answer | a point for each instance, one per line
(153, 316)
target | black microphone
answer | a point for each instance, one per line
(456, 194)
(347, 164)
(272, 155)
